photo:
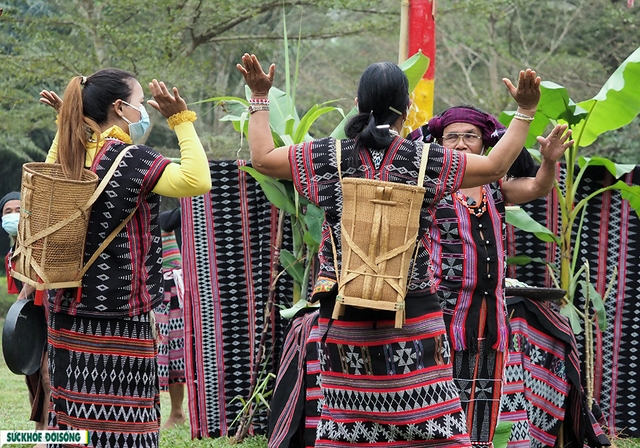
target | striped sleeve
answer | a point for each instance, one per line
(445, 170)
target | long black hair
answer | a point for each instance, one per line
(86, 106)
(383, 96)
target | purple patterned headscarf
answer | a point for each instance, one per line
(492, 129)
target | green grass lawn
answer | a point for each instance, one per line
(15, 410)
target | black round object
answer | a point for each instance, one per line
(24, 337)
(537, 294)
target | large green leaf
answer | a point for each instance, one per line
(281, 113)
(338, 132)
(616, 169)
(502, 434)
(275, 191)
(570, 312)
(314, 218)
(521, 260)
(631, 193)
(415, 67)
(292, 265)
(289, 313)
(554, 106)
(617, 103)
(598, 303)
(302, 131)
(517, 217)
(311, 243)
(557, 106)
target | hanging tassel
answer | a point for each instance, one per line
(78, 294)
(38, 295)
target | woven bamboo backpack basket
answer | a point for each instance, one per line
(54, 216)
(379, 230)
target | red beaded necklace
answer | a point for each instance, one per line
(475, 209)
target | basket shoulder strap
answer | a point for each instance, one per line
(105, 243)
(60, 224)
(105, 180)
(339, 157)
(423, 164)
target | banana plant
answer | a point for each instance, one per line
(616, 105)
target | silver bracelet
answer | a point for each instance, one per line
(523, 117)
(257, 108)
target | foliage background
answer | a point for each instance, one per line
(195, 46)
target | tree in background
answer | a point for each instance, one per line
(576, 43)
(192, 43)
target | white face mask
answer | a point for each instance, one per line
(10, 223)
(139, 128)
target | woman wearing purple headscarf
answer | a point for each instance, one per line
(468, 257)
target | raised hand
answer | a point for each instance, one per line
(527, 94)
(51, 98)
(258, 81)
(166, 102)
(556, 143)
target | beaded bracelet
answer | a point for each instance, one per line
(523, 117)
(259, 101)
(182, 116)
(258, 108)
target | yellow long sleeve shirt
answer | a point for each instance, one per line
(191, 177)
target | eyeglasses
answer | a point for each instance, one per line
(452, 138)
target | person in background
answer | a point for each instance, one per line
(469, 257)
(102, 337)
(10, 206)
(382, 385)
(38, 382)
(170, 318)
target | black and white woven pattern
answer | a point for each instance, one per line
(228, 238)
(609, 241)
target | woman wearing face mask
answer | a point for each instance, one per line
(10, 206)
(102, 358)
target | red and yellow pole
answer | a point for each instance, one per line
(418, 32)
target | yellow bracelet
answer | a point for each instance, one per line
(182, 116)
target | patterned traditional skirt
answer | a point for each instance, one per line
(296, 401)
(478, 375)
(543, 387)
(170, 318)
(387, 386)
(104, 379)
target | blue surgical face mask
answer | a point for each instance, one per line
(10, 223)
(138, 129)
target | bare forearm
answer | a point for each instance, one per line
(265, 157)
(260, 140)
(486, 169)
(508, 148)
(525, 189)
(545, 177)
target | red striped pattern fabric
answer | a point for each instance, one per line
(104, 379)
